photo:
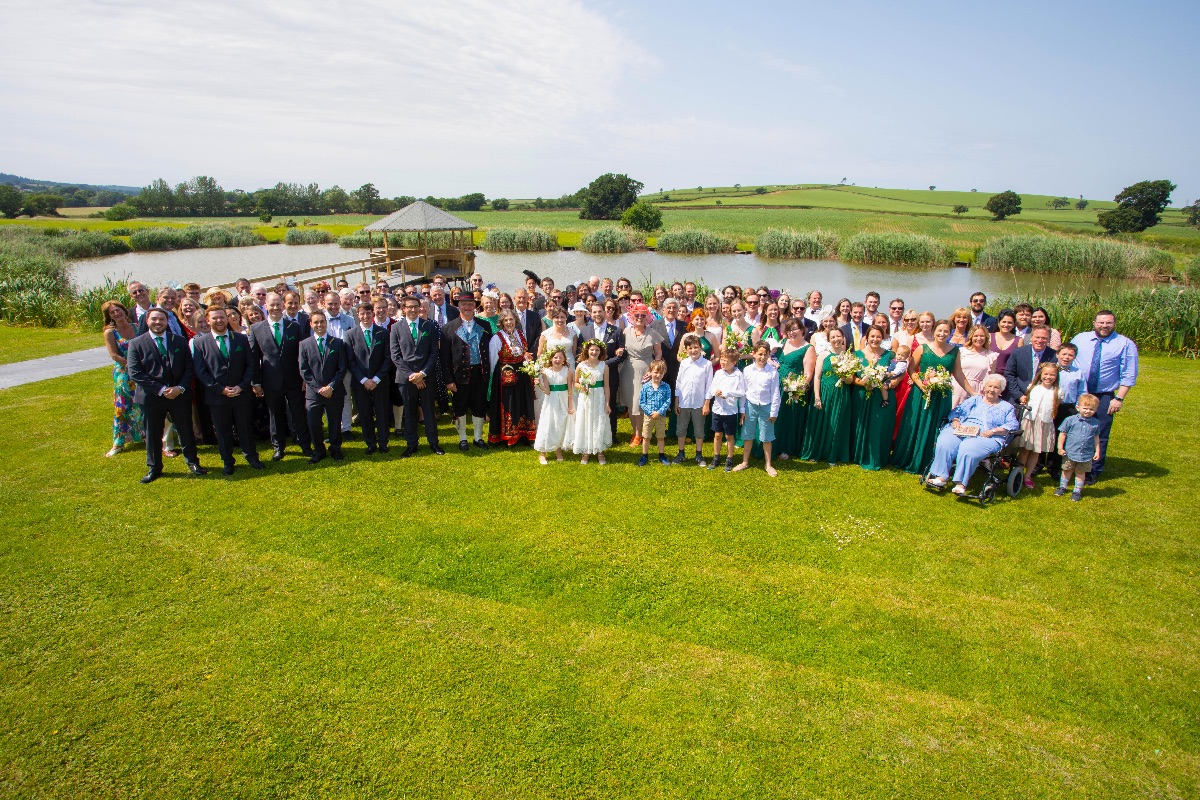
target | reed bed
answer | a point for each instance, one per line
(905, 249)
(1075, 256)
(35, 284)
(788, 243)
(157, 239)
(358, 239)
(307, 236)
(610, 239)
(88, 244)
(520, 240)
(694, 241)
(1160, 319)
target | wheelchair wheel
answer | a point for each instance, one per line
(987, 494)
(1016, 481)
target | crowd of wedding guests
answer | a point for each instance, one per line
(782, 377)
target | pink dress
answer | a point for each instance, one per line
(976, 367)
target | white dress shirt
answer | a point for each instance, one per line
(733, 386)
(692, 382)
(762, 386)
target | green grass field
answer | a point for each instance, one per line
(480, 626)
(21, 343)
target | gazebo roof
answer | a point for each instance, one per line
(420, 216)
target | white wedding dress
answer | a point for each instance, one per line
(589, 431)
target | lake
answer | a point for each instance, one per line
(938, 289)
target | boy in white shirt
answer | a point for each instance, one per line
(691, 390)
(762, 406)
(724, 401)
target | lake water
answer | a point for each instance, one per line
(938, 289)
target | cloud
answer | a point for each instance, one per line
(226, 84)
(802, 72)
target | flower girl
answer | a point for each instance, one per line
(557, 407)
(589, 433)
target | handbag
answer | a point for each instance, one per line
(508, 376)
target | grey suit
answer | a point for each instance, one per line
(410, 357)
(366, 363)
(151, 372)
(319, 371)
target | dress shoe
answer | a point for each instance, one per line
(383, 448)
(370, 449)
(151, 476)
(277, 455)
(336, 455)
(481, 444)
(464, 445)
(408, 451)
(256, 464)
(306, 451)
(316, 458)
(196, 469)
(227, 470)
(437, 450)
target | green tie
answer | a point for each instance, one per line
(224, 347)
(413, 327)
(367, 336)
(162, 348)
(278, 335)
(321, 346)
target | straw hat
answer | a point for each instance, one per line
(208, 296)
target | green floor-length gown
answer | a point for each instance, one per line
(913, 449)
(829, 428)
(789, 428)
(873, 421)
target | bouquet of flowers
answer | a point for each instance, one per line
(846, 367)
(796, 387)
(584, 381)
(873, 376)
(741, 342)
(533, 368)
(936, 380)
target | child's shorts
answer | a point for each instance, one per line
(758, 423)
(1069, 466)
(658, 426)
(725, 424)
(694, 416)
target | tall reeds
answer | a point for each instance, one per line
(1075, 255)
(905, 249)
(520, 240)
(155, 239)
(610, 240)
(307, 236)
(694, 241)
(788, 243)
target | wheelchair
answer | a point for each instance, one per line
(1000, 469)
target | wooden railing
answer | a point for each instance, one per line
(369, 269)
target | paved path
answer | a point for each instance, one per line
(40, 369)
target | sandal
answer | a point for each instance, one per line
(169, 453)
(112, 453)
(600, 460)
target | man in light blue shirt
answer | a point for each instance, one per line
(1109, 363)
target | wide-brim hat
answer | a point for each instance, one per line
(208, 296)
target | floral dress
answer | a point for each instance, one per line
(127, 415)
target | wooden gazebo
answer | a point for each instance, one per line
(454, 259)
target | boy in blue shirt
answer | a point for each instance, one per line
(1079, 445)
(655, 400)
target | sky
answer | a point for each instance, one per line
(525, 98)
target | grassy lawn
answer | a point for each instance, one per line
(480, 626)
(20, 344)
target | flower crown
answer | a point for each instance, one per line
(583, 348)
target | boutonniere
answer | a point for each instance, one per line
(291, 338)
(237, 349)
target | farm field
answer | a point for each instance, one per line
(832, 632)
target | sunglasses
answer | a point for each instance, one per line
(897, 308)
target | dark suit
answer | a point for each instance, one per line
(532, 327)
(670, 350)
(410, 357)
(374, 362)
(988, 321)
(173, 324)
(277, 370)
(215, 372)
(319, 371)
(151, 372)
(848, 331)
(302, 321)
(1019, 371)
(613, 340)
(471, 381)
(449, 313)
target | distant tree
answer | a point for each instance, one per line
(1058, 202)
(1191, 214)
(155, 200)
(1139, 207)
(471, 202)
(403, 200)
(974, 190)
(666, 197)
(718, 202)
(120, 212)
(42, 205)
(365, 198)
(699, 188)
(1081, 204)
(11, 200)
(961, 209)
(931, 188)
(1005, 204)
(500, 204)
(106, 197)
(760, 190)
(608, 196)
(335, 200)
(265, 218)
(735, 186)
(843, 181)
(642, 216)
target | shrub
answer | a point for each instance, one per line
(121, 232)
(609, 240)
(307, 236)
(776, 243)
(520, 240)
(35, 286)
(1192, 272)
(1075, 256)
(154, 239)
(694, 240)
(642, 216)
(907, 249)
(88, 244)
(120, 212)
(356, 239)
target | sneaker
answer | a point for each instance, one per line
(1077, 495)
(666, 462)
(643, 461)
(716, 462)
(1060, 491)
(729, 465)
(700, 461)
(680, 458)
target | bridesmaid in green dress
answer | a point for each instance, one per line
(874, 416)
(828, 429)
(913, 448)
(798, 357)
(771, 328)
